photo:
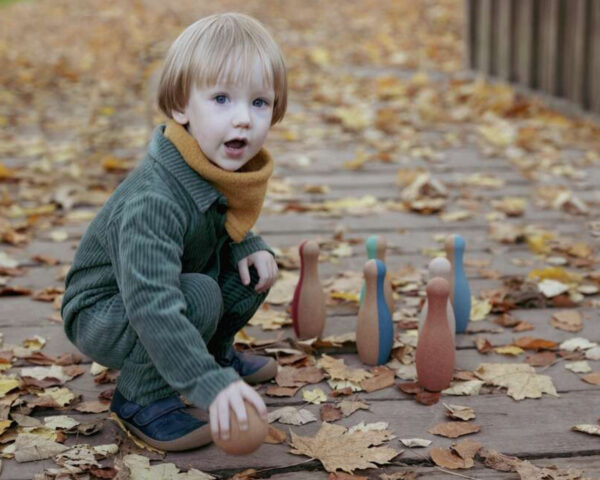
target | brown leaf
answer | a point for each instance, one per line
(507, 320)
(107, 376)
(339, 450)
(593, 378)
(275, 436)
(483, 345)
(104, 472)
(523, 327)
(499, 461)
(406, 475)
(530, 343)
(249, 474)
(466, 449)
(383, 378)
(344, 476)
(330, 413)
(92, 407)
(349, 407)
(342, 392)
(444, 458)
(454, 429)
(427, 398)
(541, 359)
(464, 375)
(410, 388)
(73, 370)
(568, 320)
(13, 291)
(68, 359)
(40, 358)
(274, 391)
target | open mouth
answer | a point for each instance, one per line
(236, 144)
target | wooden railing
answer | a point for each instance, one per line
(547, 45)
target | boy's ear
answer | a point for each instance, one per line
(179, 117)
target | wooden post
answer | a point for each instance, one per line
(523, 59)
(547, 59)
(484, 36)
(573, 53)
(503, 39)
(469, 33)
(593, 72)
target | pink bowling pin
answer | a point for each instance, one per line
(435, 354)
(440, 267)
(374, 327)
(308, 304)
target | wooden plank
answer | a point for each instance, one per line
(593, 71)
(523, 64)
(469, 32)
(548, 53)
(573, 52)
(484, 36)
(503, 39)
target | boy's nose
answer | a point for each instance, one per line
(241, 117)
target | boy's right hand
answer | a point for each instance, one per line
(234, 395)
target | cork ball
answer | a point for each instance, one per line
(243, 442)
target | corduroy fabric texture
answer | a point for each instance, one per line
(244, 189)
(163, 221)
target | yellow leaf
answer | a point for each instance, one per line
(4, 424)
(509, 350)
(242, 337)
(35, 343)
(316, 396)
(133, 438)
(555, 273)
(358, 162)
(538, 243)
(8, 383)
(62, 396)
(479, 309)
(348, 297)
(6, 172)
(319, 56)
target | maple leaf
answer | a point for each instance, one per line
(337, 449)
(519, 378)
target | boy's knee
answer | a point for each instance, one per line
(204, 302)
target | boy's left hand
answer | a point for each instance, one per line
(266, 267)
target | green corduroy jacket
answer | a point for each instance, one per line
(163, 220)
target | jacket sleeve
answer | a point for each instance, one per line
(146, 245)
(250, 243)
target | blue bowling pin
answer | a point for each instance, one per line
(460, 293)
(376, 247)
(374, 328)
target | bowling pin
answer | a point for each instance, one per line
(308, 304)
(440, 267)
(374, 327)
(376, 247)
(435, 356)
(460, 293)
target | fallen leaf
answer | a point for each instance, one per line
(275, 436)
(291, 416)
(541, 359)
(459, 412)
(576, 344)
(337, 449)
(348, 407)
(415, 442)
(590, 429)
(592, 378)
(30, 447)
(530, 343)
(315, 396)
(509, 350)
(470, 387)
(519, 378)
(454, 429)
(579, 367)
(568, 320)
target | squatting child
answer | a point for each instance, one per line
(169, 270)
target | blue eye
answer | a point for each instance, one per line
(221, 99)
(259, 100)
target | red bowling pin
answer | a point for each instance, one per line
(435, 350)
(308, 304)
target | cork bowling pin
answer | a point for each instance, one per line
(376, 247)
(440, 267)
(435, 356)
(460, 293)
(308, 304)
(374, 328)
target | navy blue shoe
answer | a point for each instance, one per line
(162, 424)
(252, 368)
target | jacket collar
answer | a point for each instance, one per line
(164, 152)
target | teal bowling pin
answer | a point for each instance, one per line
(460, 293)
(376, 247)
(374, 327)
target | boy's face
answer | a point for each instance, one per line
(230, 122)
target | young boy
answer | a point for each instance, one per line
(169, 271)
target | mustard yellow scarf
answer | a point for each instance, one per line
(244, 189)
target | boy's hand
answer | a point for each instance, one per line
(234, 395)
(266, 267)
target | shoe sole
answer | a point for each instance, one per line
(196, 438)
(265, 373)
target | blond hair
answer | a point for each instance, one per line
(205, 52)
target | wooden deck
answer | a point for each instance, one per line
(538, 430)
